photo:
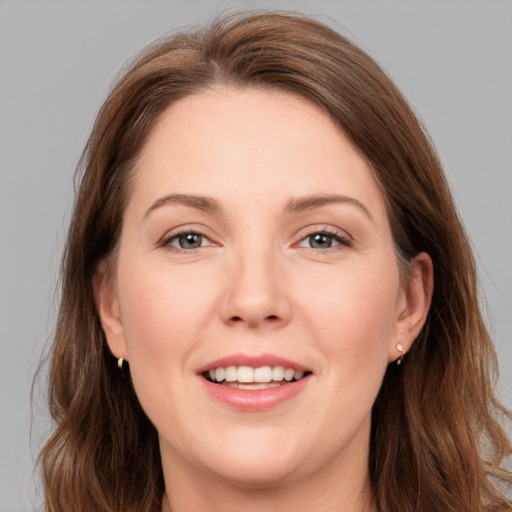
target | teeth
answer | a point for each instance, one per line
(248, 375)
(288, 374)
(220, 374)
(244, 374)
(263, 374)
(277, 373)
(255, 385)
(230, 373)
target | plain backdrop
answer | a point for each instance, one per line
(453, 60)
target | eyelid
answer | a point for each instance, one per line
(184, 230)
(326, 229)
(343, 238)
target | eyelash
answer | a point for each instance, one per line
(166, 242)
(343, 241)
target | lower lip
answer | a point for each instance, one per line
(254, 400)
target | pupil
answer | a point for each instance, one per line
(320, 241)
(190, 241)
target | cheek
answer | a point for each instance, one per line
(352, 319)
(356, 343)
(164, 312)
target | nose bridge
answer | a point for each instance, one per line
(256, 290)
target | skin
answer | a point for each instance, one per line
(256, 285)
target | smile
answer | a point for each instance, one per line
(246, 377)
(254, 383)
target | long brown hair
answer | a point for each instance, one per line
(436, 441)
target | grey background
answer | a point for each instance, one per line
(453, 60)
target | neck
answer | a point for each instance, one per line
(348, 490)
(258, 500)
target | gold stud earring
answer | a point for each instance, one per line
(120, 362)
(400, 349)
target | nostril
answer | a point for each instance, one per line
(272, 318)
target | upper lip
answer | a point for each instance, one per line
(254, 361)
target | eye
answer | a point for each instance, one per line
(187, 240)
(324, 240)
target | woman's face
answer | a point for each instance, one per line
(256, 247)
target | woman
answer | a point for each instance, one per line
(268, 298)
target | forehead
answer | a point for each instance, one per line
(251, 144)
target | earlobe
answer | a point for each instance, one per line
(108, 310)
(415, 306)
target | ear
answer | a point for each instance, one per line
(413, 306)
(108, 310)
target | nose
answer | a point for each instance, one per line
(256, 294)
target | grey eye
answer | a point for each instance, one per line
(323, 240)
(187, 241)
(320, 241)
(190, 240)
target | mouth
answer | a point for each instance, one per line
(250, 378)
(254, 383)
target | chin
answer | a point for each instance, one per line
(250, 461)
(257, 474)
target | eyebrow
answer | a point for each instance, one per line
(294, 205)
(311, 202)
(207, 204)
